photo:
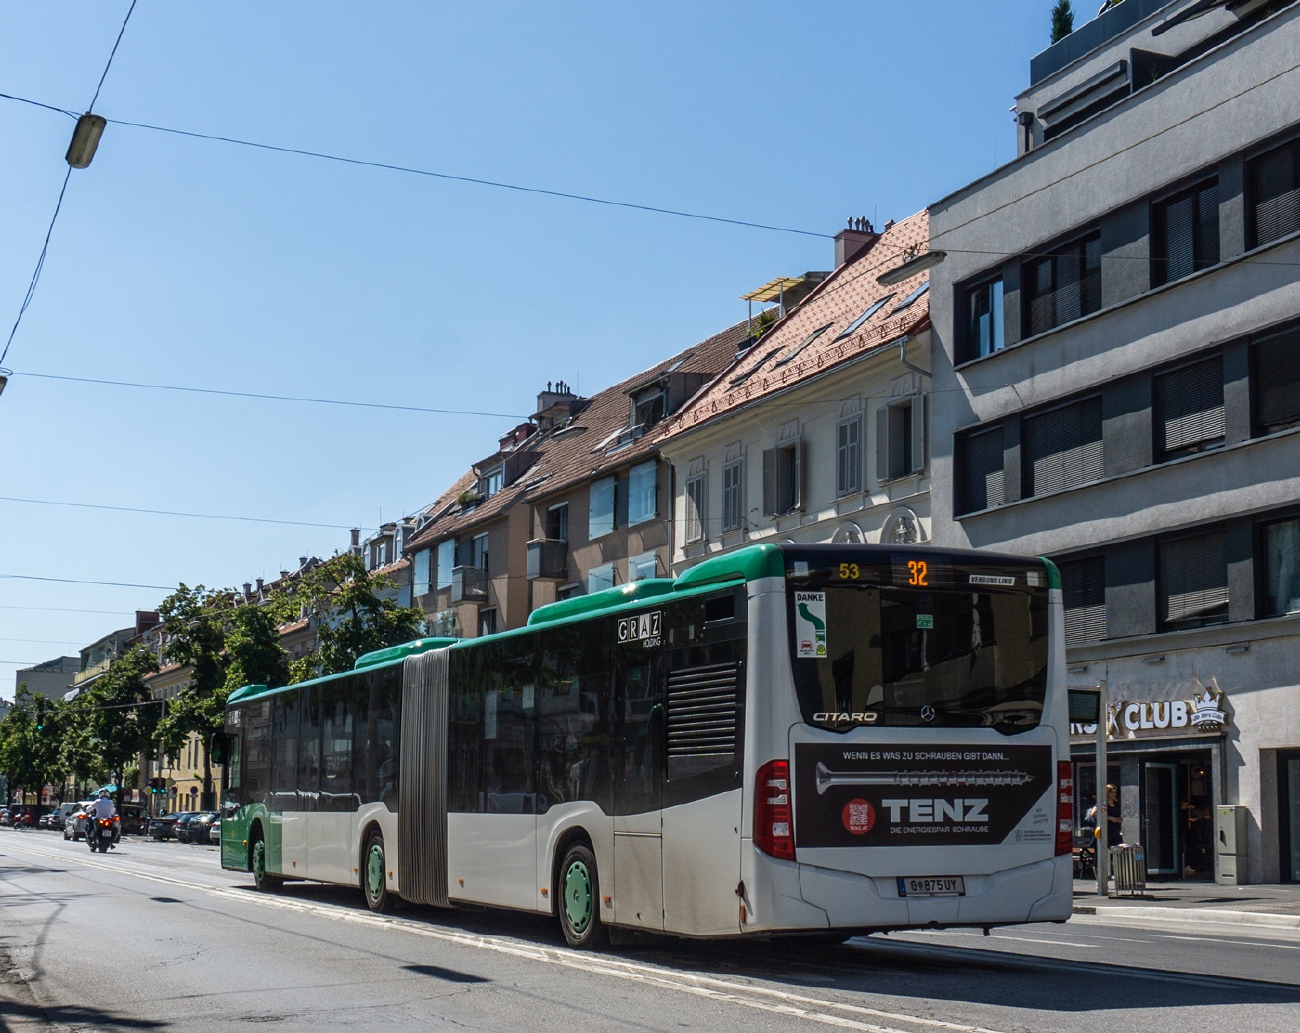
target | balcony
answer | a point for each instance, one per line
(469, 584)
(548, 559)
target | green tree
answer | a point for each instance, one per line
(29, 743)
(1062, 20)
(78, 752)
(353, 614)
(122, 717)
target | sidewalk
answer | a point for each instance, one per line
(1274, 906)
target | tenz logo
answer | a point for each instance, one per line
(922, 812)
(643, 628)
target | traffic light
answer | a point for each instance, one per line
(157, 785)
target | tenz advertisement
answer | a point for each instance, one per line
(918, 794)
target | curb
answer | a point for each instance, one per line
(1194, 914)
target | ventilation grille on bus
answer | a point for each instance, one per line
(702, 710)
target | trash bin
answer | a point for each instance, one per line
(1128, 864)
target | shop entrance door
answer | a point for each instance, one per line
(1160, 819)
(1289, 812)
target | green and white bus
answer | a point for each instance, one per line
(824, 739)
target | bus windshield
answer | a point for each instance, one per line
(960, 652)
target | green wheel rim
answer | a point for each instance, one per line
(375, 871)
(259, 860)
(578, 898)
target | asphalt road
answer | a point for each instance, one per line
(157, 936)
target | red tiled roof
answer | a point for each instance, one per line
(777, 361)
(580, 448)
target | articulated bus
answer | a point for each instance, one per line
(821, 739)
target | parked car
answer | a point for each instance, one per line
(214, 832)
(135, 819)
(195, 829)
(4, 816)
(164, 826)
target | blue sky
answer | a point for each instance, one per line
(191, 262)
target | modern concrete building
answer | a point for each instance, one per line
(52, 679)
(1117, 369)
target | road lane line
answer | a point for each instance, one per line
(781, 1002)
(1054, 943)
(1236, 943)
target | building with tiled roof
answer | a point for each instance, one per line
(818, 432)
(575, 500)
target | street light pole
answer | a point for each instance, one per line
(1103, 822)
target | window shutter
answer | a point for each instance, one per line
(982, 481)
(1207, 226)
(769, 481)
(1084, 586)
(1189, 408)
(797, 458)
(1194, 580)
(1178, 239)
(918, 433)
(882, 444)
(1063, 447)
(1276, 386)
(1275, 194)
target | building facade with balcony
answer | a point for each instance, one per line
(818, 432)
(1117, 346)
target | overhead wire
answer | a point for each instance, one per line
(79, 581)
(180, 513)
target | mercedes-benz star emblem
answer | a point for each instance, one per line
(928, 714)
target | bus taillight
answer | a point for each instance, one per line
(1064, 808)
(773, 820)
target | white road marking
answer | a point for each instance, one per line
(1054, 943)
(846, 1016)
(1235, 943)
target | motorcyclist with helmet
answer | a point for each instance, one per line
(101, 808)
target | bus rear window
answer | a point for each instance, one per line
(869, 654)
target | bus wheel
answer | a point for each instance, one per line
(373, 869)
(580, 899)
(264, 881)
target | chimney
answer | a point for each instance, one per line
(248, 589)
(146, 619)
(553, 404)
(259, 586)
(356, 537)
(302, 562)
(851, 242)
(284, 574)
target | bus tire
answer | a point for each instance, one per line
(374, 866)
(262, 879)
(579, 899)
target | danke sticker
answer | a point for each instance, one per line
(810, 624)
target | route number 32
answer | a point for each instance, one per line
(917, 572)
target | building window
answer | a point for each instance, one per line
(1083, 584)
(1273, 185)
(852, 328)
(1062, 286)
(1062, 448)
(806, 342)
(782, 478)
(601, 518)
(900, 439)
(478, 551)
(695, 509)
(446, 560)
(600, 578)
(1282, 563)
(848, 457)
(646, 565)
(984, 333)
(420, 573)
(641, 493)
(1193, 581)
(648, 408)
(732, 510)
(557, 523)
(487, 621)
(492, 481)
(980, 470)
(1275, 387)
(910, 300)
(1189, 413)
(1185, 233)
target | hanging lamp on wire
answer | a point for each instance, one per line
(85, 139)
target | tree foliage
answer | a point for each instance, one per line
(29, 743)
(119, 713)
(354, 613)
(1062, 20)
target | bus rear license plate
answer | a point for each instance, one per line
(932, 886)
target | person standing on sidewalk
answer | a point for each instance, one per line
(1114, 823)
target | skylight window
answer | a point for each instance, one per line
(907, 301)
(737, 381)
(803, 344)
(849, 330)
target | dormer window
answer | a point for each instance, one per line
(492, 481)
(648, 407)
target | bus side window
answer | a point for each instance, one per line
(572, 715)
(255, 777)
(336, 792)
(382, 690)
(309, 747)
(284, 768)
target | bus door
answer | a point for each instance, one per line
(638, 762)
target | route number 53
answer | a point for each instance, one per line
(849, 572)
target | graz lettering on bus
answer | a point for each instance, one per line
(643, 628)
(922, 811)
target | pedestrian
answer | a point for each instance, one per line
(1114, 823)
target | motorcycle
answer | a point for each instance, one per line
(100, 836)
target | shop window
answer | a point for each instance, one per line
(1193, 581)
(1185, 233)
(1189, 410)
(1282, 567)
(980, 481)
(1275, 381)
(1273, 185)
(1062, 285)
(1084, 586)
(1063, 447)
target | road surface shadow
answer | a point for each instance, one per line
(874, 964)
(73, 1016)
